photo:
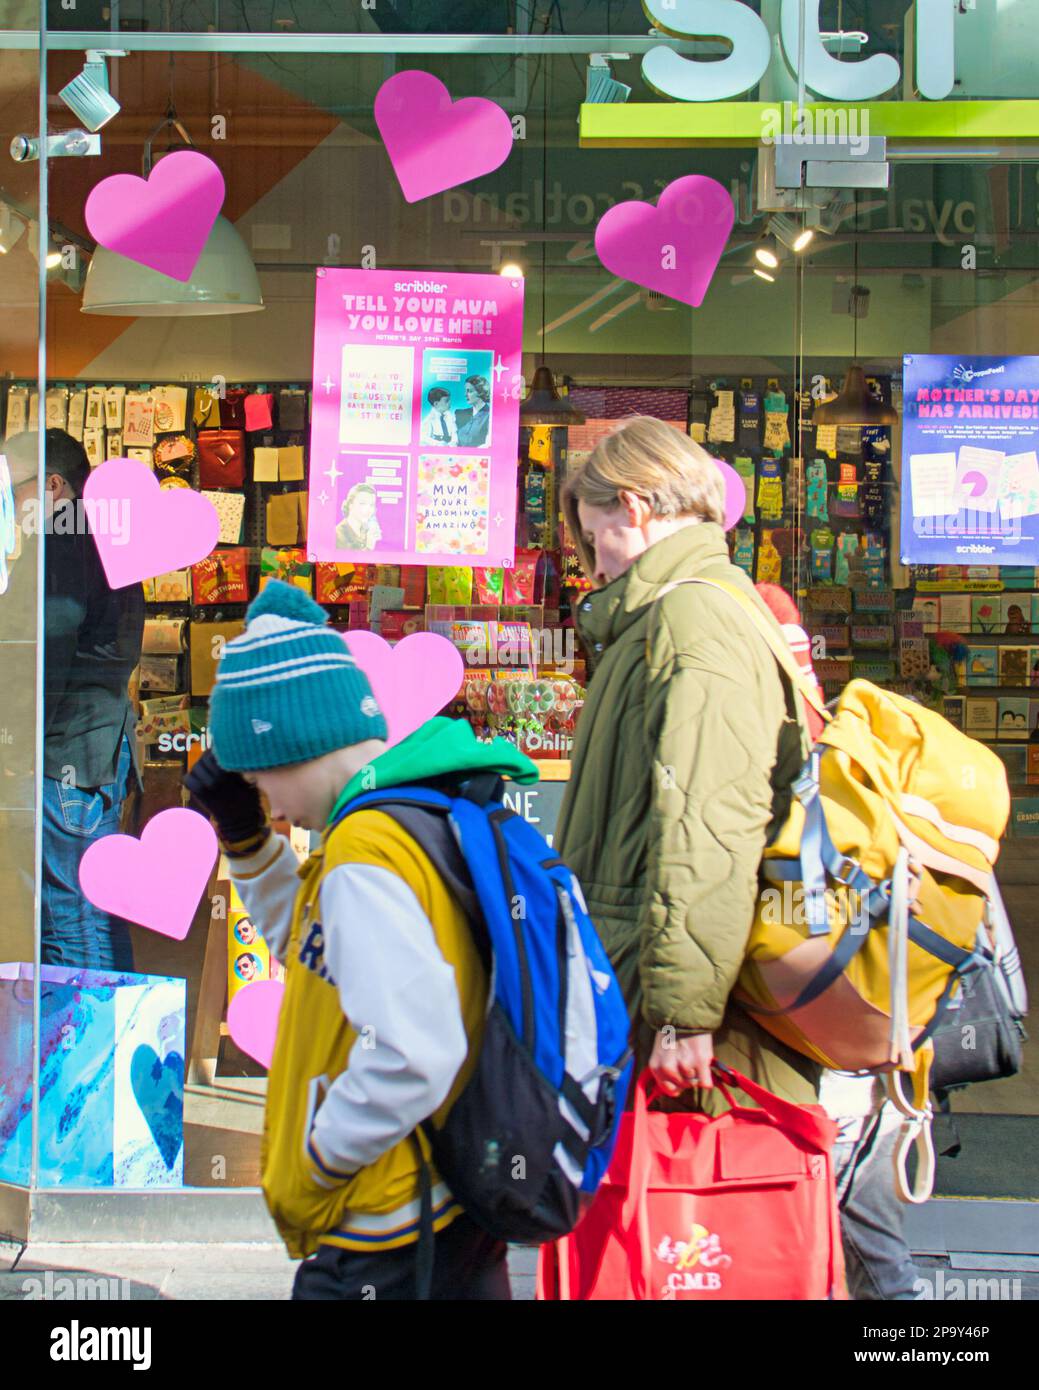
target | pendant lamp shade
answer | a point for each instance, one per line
(545, 406)
(224, 282)
(854, 405)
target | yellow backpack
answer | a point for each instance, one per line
(874, 890)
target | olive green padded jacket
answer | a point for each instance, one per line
(683, 761)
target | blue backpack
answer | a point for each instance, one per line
(527, 1142)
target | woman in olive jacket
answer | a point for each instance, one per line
(683, 761)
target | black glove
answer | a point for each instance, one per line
(232, 802)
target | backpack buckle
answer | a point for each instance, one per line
(805, 785)
(844, 871)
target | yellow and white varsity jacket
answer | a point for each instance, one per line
(381, 1024)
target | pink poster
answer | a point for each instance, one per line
(417, 385)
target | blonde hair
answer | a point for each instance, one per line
(655, 461)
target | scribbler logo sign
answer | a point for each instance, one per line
(706, 97)
(696, 1264)
(686, 79)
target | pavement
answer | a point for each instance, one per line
(140, 1273)
(181, 1271)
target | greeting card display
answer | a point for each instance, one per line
(415, 422)
(342, 583)
(230, 508)
(221, 458)
(452, 505)
(248, 955)
(222, 577)
(970, 470)
(139, 419)
(291, 566)
(173, 587)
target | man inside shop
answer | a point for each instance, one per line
(92, 644)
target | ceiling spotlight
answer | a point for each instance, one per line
(767, 257)
(786, 230)
(511, 270)
(88, 96)
(837, 211)
(656, 302)
(601, 87)
(53, 255)
(764, 275)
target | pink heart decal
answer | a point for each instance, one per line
(433, 142)
(158, 880)
(673, 248)
(735, 494)
(139, 529)
(252, 1019)
(412, 681)
(163, 221)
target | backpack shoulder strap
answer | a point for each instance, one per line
(776, 644)
(426, 797)
(423, 813)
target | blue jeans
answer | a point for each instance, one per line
(73, 931)
(877, 1260)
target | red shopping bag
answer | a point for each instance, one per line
(742, 1206)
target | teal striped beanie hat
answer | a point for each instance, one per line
(288, 689)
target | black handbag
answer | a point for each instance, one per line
(982, 1038)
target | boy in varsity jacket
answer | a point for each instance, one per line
(385, 993)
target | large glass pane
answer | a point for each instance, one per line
(940, 261)
(309, 185)
(942, 267)
(19, 344)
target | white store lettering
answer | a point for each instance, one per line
(690, 79)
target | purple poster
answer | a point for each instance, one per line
(417, 384)
(970, 461)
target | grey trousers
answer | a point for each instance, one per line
(877, 1259)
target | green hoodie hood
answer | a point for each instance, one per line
(438, 747)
